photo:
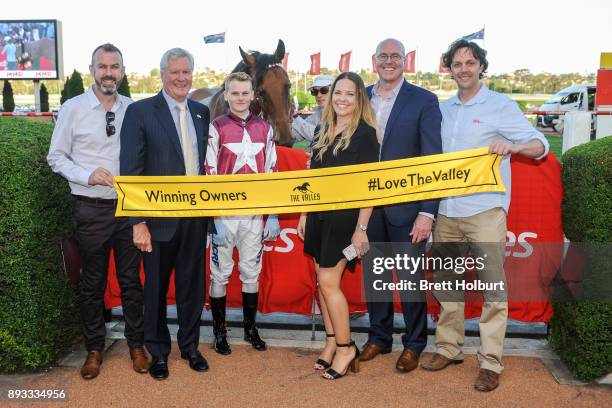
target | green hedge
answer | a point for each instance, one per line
(581, 331)
(38, 317)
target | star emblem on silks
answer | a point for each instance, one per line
(245, 152)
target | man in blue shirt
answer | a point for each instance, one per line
(477, 117)
(10, 51)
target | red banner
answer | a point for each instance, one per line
(409, 66)
(344, 65)
(315, 64)
(288, 282)
(374, 70)
(285, 61)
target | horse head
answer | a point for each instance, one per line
(271, 85)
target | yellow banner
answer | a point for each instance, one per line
(363, 185)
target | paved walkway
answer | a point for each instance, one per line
(283, 377)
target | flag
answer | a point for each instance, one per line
(315, 64)
(374, 70)
(285, 61)
(345, 62)
(442, 69)
(478, 35)
(214, 38)
(410, 62)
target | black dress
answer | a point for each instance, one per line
(329, 232)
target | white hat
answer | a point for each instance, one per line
(322, 80)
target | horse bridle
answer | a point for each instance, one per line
(258, 97)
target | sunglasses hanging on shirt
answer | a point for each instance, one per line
(315, 91)
(110, 128)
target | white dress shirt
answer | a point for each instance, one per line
(487, 117)
(79, 144)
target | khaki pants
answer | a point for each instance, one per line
(487, 227)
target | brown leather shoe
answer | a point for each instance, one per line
(438, 362)
(407, 361)
(140, 363)
(91, 367)
(371, 350)
(487, 380)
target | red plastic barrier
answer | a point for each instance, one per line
(27, 113)
(288, 282)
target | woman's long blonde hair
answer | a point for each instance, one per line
(363, 110)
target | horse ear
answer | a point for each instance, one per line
(279, 54)
(247, 58)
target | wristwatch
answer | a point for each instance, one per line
(362, 227)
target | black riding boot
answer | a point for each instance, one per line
(249, 308)
(220, 344)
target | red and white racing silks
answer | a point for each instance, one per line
(240, 146)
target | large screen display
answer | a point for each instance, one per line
(30, 49)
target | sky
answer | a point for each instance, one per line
(559, 36)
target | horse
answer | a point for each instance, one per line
(33, 50)
(303, 188)
(271, 85)
(204, 95)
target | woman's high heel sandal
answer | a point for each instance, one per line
(332, 374)
(321, 364)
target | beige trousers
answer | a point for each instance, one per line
(480, 233)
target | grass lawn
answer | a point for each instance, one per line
(302, 145)
(556, 142)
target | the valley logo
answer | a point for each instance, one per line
(303, 193)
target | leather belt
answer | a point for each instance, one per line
(93, 200)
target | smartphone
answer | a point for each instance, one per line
(349, 252)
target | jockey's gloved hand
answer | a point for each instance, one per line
(221, 238)
(272, 228)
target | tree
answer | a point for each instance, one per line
(72, 87)
(64, 94)
(8, 102)
(124, 87)
(44, 98)
(75, 86)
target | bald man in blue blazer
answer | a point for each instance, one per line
(409, 119)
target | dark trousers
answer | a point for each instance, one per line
(381, 312)
(97, 231)
(185, 253)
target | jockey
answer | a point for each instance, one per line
(239, 143)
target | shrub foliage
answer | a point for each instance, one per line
(38, 318)
(582, 331)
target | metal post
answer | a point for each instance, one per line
(37, 95)
(314, 300)
(416, 65)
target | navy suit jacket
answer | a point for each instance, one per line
(150, 146)
(413, 130)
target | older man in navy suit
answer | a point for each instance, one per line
(166, 135)
(409, 118)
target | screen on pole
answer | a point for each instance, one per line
(30, 49)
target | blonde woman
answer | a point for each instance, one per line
(347, 136)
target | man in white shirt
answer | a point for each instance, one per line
(85, 150)
(477, 117)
